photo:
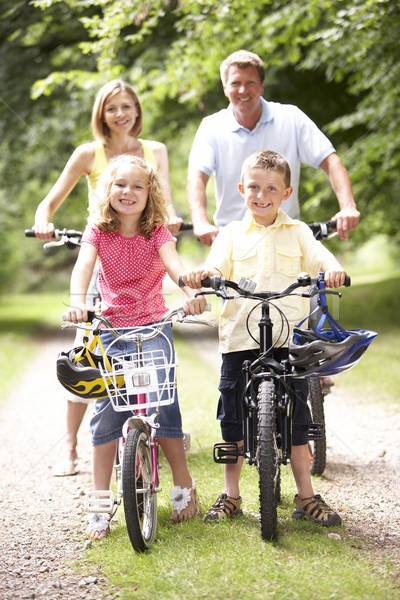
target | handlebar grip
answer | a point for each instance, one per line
(186, 227)
(30, 233)
(207, 282)
(180, 282)
(347, 281)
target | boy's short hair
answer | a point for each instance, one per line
(268, 160)
(242, 59)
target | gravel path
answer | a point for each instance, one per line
(41, 516)
(42, 521)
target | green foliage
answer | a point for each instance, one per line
(338, 60)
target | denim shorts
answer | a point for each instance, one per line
(231, 387)
(106, 424)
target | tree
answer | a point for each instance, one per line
(336, 59)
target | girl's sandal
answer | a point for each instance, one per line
(98, 526)
(180, 499)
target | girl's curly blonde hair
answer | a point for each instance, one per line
(154, 214)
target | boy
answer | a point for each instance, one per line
(270, 248)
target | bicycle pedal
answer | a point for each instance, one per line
(186, 441)
(226, 453)
(316, 431)
(100, 501)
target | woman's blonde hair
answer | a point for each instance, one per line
(154, 214)
(110, 89)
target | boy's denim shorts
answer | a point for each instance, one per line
(106, 424)
(231, 387)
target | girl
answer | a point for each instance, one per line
(116, 125)
(135, 250)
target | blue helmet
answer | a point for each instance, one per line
(328, 352)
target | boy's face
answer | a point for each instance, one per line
(263, 192)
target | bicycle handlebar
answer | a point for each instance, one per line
(156, 327)
(246, 287)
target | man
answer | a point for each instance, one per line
(250, 123)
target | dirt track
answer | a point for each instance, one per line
(42, 520)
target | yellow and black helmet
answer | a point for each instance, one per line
(78, 371)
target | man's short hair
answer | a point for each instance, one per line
(242, 59)
(269, 161)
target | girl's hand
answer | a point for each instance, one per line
(194, 306)
(76, 314)
(193, 278)
(335, 278)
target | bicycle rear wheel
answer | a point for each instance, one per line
(317, 447)
(140, 498)
(268, 464)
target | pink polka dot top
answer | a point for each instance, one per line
(131, 275)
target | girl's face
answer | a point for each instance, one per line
(120, 113)
(129, 192)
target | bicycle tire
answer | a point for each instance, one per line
(268, 464)
(140, 507)
(317, 448)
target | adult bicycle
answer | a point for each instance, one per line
(137, 383)
(267, 403)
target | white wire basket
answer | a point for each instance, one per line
(133, 386)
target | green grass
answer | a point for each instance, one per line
(25, 319)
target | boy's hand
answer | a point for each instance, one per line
(193, 278)
(335, 278)
(194, 306)
(76, 314)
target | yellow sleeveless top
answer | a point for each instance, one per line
(100, 165)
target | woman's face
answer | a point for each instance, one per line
(120, 112)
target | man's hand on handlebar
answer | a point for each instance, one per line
(346, 220)
(205, 232)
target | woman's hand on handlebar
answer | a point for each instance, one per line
(44, 231)
(334, 278)
(77, 313)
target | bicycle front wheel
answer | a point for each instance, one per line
(317, 447)
(140, 498)
(268, 463)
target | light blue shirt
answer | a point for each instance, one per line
(221, 145)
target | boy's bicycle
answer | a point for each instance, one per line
(137, 383)
(268, 399)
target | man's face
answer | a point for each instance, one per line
(244, 89)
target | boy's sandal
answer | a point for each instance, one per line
(225, 507)
(315, 509)
(180, 498)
